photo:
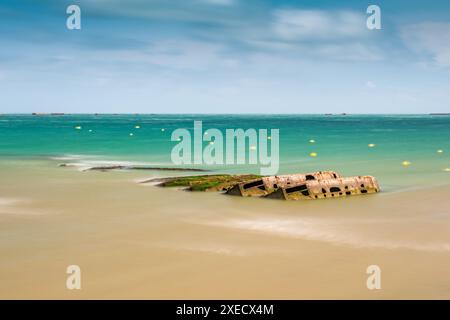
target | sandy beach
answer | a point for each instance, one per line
(138, 241)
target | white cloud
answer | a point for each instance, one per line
(331, 35)
(169, 55)
(192, 55)
(349, 52)
(318, 24)
(370, 84)
(431, 38)
(219, 2)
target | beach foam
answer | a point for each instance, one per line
(68, 157)
(328, 231)
(89, 162)
(9, 201)
(14, 206)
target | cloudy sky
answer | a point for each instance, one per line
(225, 56)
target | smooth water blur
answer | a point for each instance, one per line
(138, 241)
(341, 141)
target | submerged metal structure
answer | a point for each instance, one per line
(300, 186)
(267, 185)
(327, 188)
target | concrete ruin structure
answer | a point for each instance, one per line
(327, 188)
(299, 186)
(267, 185)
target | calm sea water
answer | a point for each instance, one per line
(341, 142)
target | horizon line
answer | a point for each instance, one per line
(203, 113)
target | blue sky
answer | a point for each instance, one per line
(224, 56)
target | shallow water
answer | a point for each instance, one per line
(134, 240)
(341, 142)
(140, 241)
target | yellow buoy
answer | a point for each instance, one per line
(406, 163)
(131, 134)
(447, 169)
(78, 127)
(269, 138)
(440, 151)
(313, 154)
(312, 141)
(163, 129)
(137, 126)
(371, 145)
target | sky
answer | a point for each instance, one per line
(224, 56)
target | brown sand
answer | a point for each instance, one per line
(136, 241)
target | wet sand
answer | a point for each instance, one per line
(145, 242)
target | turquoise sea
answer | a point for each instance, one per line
(341, 142)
